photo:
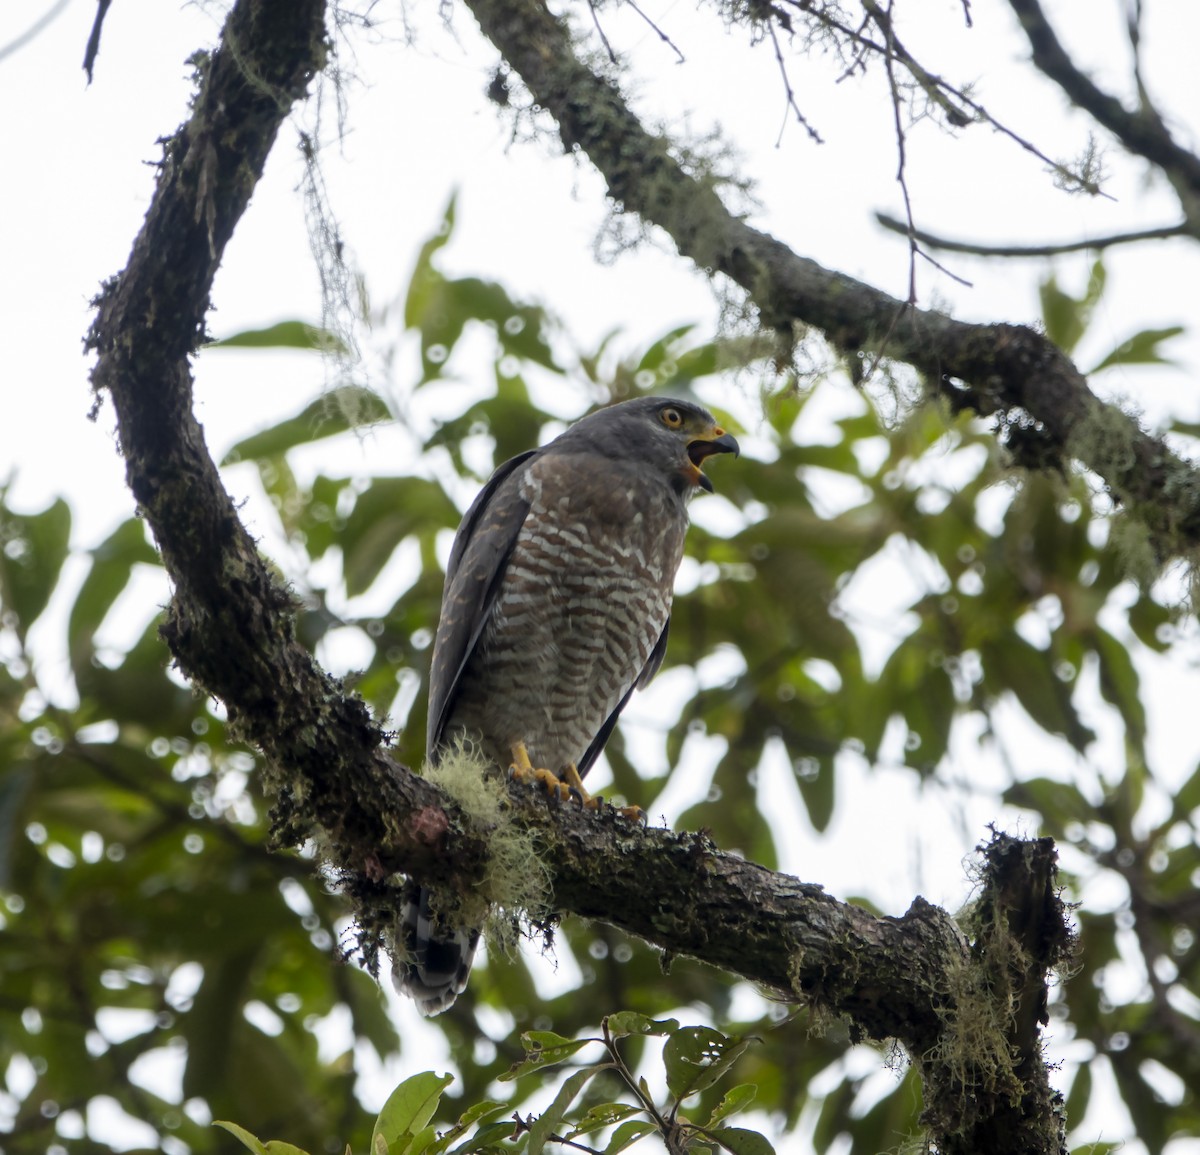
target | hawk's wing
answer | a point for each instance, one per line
(643, 680)
(481, 550)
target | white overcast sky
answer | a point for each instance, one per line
(77, 181)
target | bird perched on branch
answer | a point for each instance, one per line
(556, 607)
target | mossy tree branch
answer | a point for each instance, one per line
(1007, 370)
(230, 628)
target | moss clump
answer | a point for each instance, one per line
(516, 880)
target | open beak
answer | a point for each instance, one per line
(715, 440)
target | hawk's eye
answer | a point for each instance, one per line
(671, 418)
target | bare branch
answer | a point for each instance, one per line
(657, 31)
(790, 94)
(884, 21)
(35, 29)
(1108, 240)
(612, 56)
(951, 100)
(93, 44)
(1143, 133)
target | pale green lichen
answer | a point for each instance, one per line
(517, 882)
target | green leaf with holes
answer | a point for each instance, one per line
(696, 1057)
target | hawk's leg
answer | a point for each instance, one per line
(524, 771)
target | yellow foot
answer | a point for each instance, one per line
(524, 771)
(570, 785)
(594, 801)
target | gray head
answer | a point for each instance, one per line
(673, 437)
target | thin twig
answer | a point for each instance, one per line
(814, 135)
(35, 29)
(884, 22)
(612, 56)
(1162, 232)
(937, 88)
(943, 269)
(658, 31)
(885, 26)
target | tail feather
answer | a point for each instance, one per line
(432, 963)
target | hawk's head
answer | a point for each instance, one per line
(675, 437)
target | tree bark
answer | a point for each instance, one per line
(968, 1012)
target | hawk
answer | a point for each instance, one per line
(556, 607)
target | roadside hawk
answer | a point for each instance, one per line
(555, 608)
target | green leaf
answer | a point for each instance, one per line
(274, 1147)
(210, 1028)
(112, 564)
(627, 1134)
(817, 793)
(1013, 664)
(547, 1123)
(543, 1049)
(243, 1136)
(1140, 349)
(33, 548)
(138, 690)
(424, 276)
(736, 1099)
(1057, 802)
(347, 407)
(1066, 318)
(284, 335)
(407, 1112)
(481, 1110)
(602, 1115)
(743, 1142)
(696, 1057)
(489, 1135)
(625, 1023)
(1081, 1092)
(1120, 685)
(1187, 797)
(384, 515)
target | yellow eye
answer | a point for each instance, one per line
(671, 418)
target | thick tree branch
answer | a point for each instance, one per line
(1008, 370)
(1143, 132)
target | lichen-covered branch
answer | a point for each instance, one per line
(1003, 369)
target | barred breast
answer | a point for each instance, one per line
(583, 600)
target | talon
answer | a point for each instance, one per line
(524, 771)
(576, 787)
(634, 814)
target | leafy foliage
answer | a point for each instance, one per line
(146, 929)
(694, 1059)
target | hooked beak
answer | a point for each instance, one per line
(715, 440)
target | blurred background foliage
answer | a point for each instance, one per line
(146, 928)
